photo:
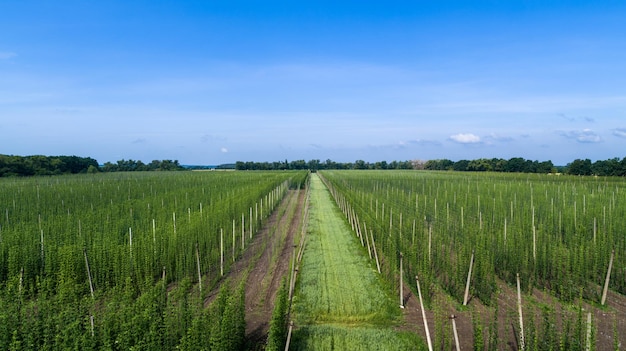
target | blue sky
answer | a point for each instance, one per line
(209, 82)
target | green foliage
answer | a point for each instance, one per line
(479, 338)
(557, 232)
(278, 324)
(228, 326)
(339, 338)
(341, 303)
(50, 226)
(44, 165)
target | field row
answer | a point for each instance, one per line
(114, 261)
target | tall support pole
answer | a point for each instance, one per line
(199, 272)
(456, 333)
(522, 344)
(289, 336)
(588, 341)
(419, 294)
(375, 253)
(243, 233)
(469, 278)
(608, 278)
(401, 287)
(88, 274)
(221, 252)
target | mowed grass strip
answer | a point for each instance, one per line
(341, 302)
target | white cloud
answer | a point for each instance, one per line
(586, 136)
(7, 55)
(223, 150)
(619, 132)
(465, 138)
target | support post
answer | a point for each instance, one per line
(199, 272)
(419, 294)
(469, 278)
(401, 287)
(522, 344)
(456, 334)
(289, 336)
(88, 274)
(608, 278)
(375, 253)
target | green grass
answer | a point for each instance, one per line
(330, 337)
(341, 303)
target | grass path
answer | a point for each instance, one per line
(340, 301)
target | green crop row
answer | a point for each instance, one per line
(72, 246)
(558, 232)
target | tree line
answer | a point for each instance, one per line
(39, 165)
(45, 165)
(316, 164)
(11, 165)
(610, 167)
(132, 166)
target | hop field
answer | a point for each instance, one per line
(563, 235)
(122, 260)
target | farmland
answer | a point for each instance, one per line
(114, 261)
(560, 234)
(341, 303)
(195, 260)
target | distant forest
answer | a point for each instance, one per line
(611, 167)
(54, 165)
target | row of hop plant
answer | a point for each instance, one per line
(76, 240)
(557, 232)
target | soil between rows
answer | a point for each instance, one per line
(264, 264)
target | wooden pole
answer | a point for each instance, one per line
(430, 241)
(401, 287)
(588, 341)
(89, 274)
(198, 264)
(522, 344)
(469, 278)
(42, 256)
(367, 240)
(608, 278)
(419, 294)
(243, 232)
(534, 244)
(130, 241)
(92, 325)
(456, 334)
(221, 252)
(174, 219)
(19, 289)
(375, 253)
(292, 276)
(289, 336)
